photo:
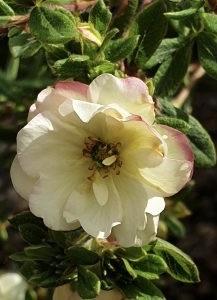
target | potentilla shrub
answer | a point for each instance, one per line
(108, 140)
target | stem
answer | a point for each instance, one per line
(195, 73)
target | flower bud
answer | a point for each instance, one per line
(88, 32)
(12, 286)
(65, 293)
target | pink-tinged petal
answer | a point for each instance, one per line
(23, 184)
(178, 144)
(177, 165)
(130, 93)
(49, 99)
(72, 89)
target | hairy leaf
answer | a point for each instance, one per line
(207, 45)
(152, 26)
(52, 26)
(100, 17)
(169, 77)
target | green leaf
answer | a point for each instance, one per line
(24, 218)
(169, 77)
(149, 290)
(180, 266)
(88, 286)
(31, 295)
(20, 256)
(27, 269)
(175, 226)
(40, 252)
(82, 256)
(121, 48)
(142, 289)
(65, 239)
(52, 26)
(45, 279)
(23, 45)
(75, 66)
(101, 68)
(174, 122)
(151, 264)
(6, 9)
(131, 253)
(127, 17)
(202, 145)
(207, 45)
(100, 17)
(152, 26)
(210, 22)
(128, 268)
(163, 52)
(177, 15)
(32, 233)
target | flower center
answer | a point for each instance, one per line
(105, 156)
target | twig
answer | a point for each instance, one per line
(195, 73)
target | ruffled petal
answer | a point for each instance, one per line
(134, 201)
(144, 148)
(177, 166)
(23, 184)
(130, 93)
(72, 89)
(51, 98)
(50, 194)
(48, 99)
(47, 143)
(96, 220)
(149, 233)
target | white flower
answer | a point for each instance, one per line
(64, 292)
(12, 286)
(92, 155)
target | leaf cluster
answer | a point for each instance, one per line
(54, 258)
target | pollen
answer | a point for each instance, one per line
(105, 157)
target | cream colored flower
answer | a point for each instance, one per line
(92, 155)
(64, 292)
(12, 286)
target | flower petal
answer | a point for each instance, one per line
(51, 98)
(48, 198)
(82, 205)
(176, 168)
(155, 206)
(100, 189)
(178, 144)
(23, 184)
(129, 93)
(147, 235)
(47, 143)
(144, 148)
(134, 200)
(72, 89)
